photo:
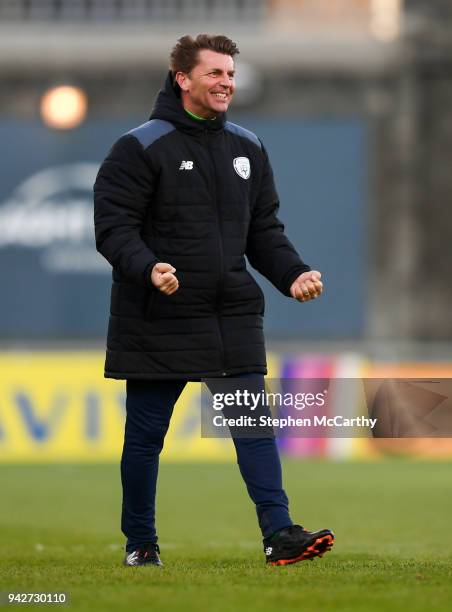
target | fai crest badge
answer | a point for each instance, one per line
(242, 167)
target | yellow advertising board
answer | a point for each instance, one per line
(58, 407)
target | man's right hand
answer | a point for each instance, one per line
(162, 277)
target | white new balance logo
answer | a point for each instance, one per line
(186, 165)
(132, 559)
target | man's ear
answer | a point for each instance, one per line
(183, 80)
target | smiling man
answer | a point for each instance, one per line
(179, 202)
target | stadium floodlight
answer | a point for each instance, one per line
(64, 107)
(385, 19)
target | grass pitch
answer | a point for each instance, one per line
(393, 550)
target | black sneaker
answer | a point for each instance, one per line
(148, 555)
(293, 544)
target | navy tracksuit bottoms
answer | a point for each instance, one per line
(149, 407)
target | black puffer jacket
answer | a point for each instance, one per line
(200, 196)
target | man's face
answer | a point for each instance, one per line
(208, 89)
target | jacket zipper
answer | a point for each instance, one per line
(221, 255)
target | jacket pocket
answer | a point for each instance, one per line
(150, 305)
(261, 294)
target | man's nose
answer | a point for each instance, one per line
(226, 81)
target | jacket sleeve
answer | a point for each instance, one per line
(269, 250)
(122, 193)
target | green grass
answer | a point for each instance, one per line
(60, 531)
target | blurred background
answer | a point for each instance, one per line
(353, 100)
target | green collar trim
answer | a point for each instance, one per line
(197, 117)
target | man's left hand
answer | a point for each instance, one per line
(307, 286)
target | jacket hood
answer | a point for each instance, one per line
(168, 106)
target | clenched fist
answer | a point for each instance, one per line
(162, 277)
(307, 286)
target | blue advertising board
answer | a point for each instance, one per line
(57, 286)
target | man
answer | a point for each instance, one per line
(179, 202)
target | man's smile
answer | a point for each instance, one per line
(220, 95)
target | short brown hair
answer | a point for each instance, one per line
(184, 55)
